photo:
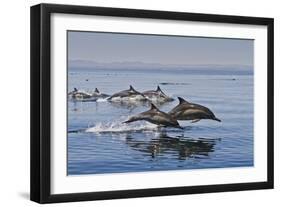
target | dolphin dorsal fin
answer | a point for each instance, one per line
(97, 90)
(75, 89)
(153, 107)
(131, 88)
(158, 88)
(181, 100)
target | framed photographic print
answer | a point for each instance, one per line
(132, 103)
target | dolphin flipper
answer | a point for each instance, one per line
(195, 120)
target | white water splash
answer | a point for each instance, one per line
(119, 127)
(134, 98)
(101, 100)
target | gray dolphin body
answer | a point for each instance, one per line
(98, 94)
(71, 93)
(79, 95)
(190, 111)
(128, 95)
(155, 116)
(157, 95)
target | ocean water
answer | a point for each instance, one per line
(98, 142)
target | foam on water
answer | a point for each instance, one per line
(128, 98)
(119, 127)
(102, 100)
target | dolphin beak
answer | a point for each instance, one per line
(216, 119)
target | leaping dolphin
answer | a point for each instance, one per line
(157, 95)
(191, 111)
(128, 95)
(155, 116)
(98, 94)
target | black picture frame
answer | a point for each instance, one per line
(40, 184)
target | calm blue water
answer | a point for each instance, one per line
(105, 145)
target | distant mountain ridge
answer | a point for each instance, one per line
(141, 65)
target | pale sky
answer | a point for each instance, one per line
(116, 47)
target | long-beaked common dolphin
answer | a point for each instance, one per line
(128, 95)
(98, 94)
(155, 116)
(191, 111)
(75, 90)
(157, 95)
(76, 94)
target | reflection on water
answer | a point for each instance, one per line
(184, 147)
(136, 150)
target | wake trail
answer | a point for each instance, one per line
(119, 127)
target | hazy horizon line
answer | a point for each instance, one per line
(141, 63)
